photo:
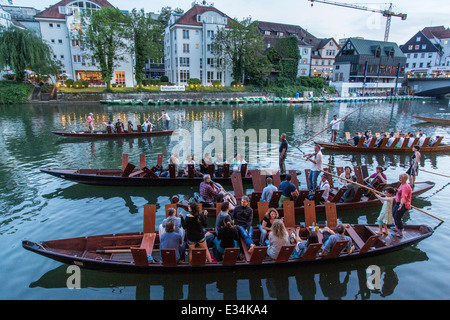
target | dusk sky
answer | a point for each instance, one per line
(322, 20)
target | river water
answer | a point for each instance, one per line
(36, 206)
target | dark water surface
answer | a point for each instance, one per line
(36, 206)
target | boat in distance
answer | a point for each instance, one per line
(436, 120)
(425, 148)
(129, 252)
(108, 135)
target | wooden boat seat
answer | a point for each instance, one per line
(372, 142)
(168, 257)
(236, 180)
(254, 199)
(394, 143)
(337, 249)
(136, 173)
(226, 170)
(294, 179)
(198, 257)
(317, 196)
(128, 170)
(257, 180)
(258, 255)
(285, 253)
(230, 256)
(172, 171)
(149, 173)
(425, 142)
(276, 195)
(289, 214)
(358, 194)
(139, 256)
(243, 170)
(361, 142)
(331, 214)
(311, 251)
(329, 177)
(438, 141)
(191, 171)
(368, 244)
(338, 195)
(276, 179)
(301, 198)
(358, 174)
(263, 206)
(355, 236)
(148, 241)
(310, 213)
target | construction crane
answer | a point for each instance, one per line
(386, 13)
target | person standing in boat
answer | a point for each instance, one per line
(166, 118)
(316, 167)
(385, 217)
(403, 203)
(283, 153)
(413, 170)
(335, 123)
(90, 121)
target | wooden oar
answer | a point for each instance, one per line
(438, 174)
(329, 126)
(373, 190)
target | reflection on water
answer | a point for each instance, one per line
(38, 206)
(339, 281)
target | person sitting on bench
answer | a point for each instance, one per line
(330, 238)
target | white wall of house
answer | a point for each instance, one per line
(188, 51)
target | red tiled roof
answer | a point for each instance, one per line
(53, 11)
(438, 32)
(190, 17)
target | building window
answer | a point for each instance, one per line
(52, 41)
(210, 34)
(410, 47)
(219, 76)
(210, 76)
(60, 41)
(424, 46)
(417, 47)
(184, 75)
(58, 25)
(120, 77)
(185, 34)
(62, 56)
(185, 47)
(418, 39)
(77, 58)
(184, 62)
(209, 48)
(50, 25)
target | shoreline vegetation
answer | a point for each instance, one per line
(16, 93)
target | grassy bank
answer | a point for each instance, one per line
(14, 93)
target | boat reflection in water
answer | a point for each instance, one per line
(343, 281)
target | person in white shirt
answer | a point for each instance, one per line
(189, 160)
(335, 123)
(325, 186)
(391, 140)
(316, 167)
(421, 139)
(166, 118)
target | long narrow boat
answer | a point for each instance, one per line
(107, 135)
(437, 120)
(136, 178)
(371, 148)
(128, 252)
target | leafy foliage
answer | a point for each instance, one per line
(22, 49)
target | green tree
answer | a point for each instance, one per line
(164, 15)
(242, 47)
(146, 41)
(104, 34)
(22, 49)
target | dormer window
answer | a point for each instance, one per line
(199, 18)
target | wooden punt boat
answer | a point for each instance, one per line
(128, 252)
(437, 120)
(130, 176)
(437, 147)
(362, 198)
(107, 135)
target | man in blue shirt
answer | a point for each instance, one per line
(268, 191)
(172, 240)
(330, 238)
(287, 187)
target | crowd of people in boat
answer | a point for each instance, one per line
(119, 127)
(392, 137)
(185, 232)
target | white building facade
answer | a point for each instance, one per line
(58, 26)
(188, 46)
